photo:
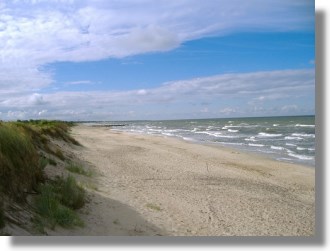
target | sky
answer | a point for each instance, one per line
(135, 59)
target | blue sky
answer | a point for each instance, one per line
(122, 60)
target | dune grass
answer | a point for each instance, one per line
(55, 129)
(20, 143)
(22, 161)
(58, 199)
(71, 194)
(57, 202)
(19, 162)
(79, 169)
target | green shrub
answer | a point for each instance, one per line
(75, 168)
(56, 207)
(71, 194)
(47, 203)
(43, 162)
(52, 162)
(154, 207)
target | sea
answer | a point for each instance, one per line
(288, 139)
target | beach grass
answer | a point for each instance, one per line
(19, 161)
(57, 201)
(21, 165)
(24, 146)
(79, 169)
(71, 194)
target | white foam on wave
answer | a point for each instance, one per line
(231, 130)
(256, 145)
(231, 143)
(187, 138)
(209, 133)
(168, 134)
(136, 131)
(251, 139)
(155, 130)
(302, 157)
(293, 138)
(289, 144)
(303, 135)
(263, 134)
(217, 134)
(277, 148)
(302, 125)
(305, 149)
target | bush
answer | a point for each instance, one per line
(75, 168)
(47, 203)
(71, 194)
(43, 162)
(57, 201)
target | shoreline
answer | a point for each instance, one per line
(269, 156)
(163, 186)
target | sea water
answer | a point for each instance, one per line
(290, 139)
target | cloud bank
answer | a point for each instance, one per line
(244, 94)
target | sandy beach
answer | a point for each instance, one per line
(149, 185)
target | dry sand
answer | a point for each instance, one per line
(149, 185)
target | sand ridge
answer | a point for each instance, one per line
(149, 185)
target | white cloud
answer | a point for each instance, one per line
(227, 111)
(34, 33)
(227, 94)
(36, 99)
(40, 113)
(289, 108)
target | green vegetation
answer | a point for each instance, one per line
(55, 129)
(44, 161)
(19, 161)
(24, 146)
(56, 203)
(59, 154)
(91, 186)
(76, 168)
(116, 222)
(21, 166)
(71, 194)
(153, 207)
